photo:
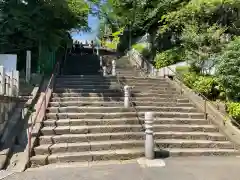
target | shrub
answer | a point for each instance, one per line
(189, 78)
(142, 49)
(233, 109)
(181, 70)
(204, 85)
(168, 57)
(139, 47)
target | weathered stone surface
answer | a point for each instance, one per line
(86, 122)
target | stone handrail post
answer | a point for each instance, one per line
(113, 67)
(2, 80)
(101, 62)
(104, 71)
(126, 96)
(149, 141)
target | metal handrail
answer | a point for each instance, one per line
(131, 102)
(227, 116)
(42, 104)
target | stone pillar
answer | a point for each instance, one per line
(28, 66)
(113, 67)
(7, 82)
(11, 82)
(97, 48)
(149, 141)
(155, 72)
(104, 71)
(16, 83)
(126, 96)
(2, 80)
(100, 58)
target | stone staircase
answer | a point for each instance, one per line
(86, 121)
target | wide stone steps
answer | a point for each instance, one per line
(117, 93)
(91, 122)
(124, 136)
(90, 78)
(127, 144)
(86, 121)
(115, 109)
(120, 99)
(137, 82)
(122, 115)
(124, 154)
(116, 103)
(113, 87)
(58, 130)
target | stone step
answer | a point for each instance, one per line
(112, 83)
(117, 103)
(78, 138)
(126, 154)
(121, 154)
(114, 87)
(114, 109)
(51, 130)
(117, 90)
(127, 144)
(120, 99)
(91, 122)
(117, 94)
(110, 78)
(122, 115)
(175, 152)
(99, 78)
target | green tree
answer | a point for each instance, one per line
(228, 69)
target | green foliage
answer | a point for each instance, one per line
(40, 26)
(168, 57)
(142, 49)
(139, 47)
(202, 43)
(228, 69)
(115, 41)
(233, 109)
(182, 69)
(204, 85)
(201, 11)
(189, 78)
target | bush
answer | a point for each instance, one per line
(139, 47)
(181, 70)
(233, 109)
(189, 78)
(228, 69)
(168, 57)
(204, 85)
(142, 49)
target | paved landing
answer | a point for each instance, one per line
(199, 168)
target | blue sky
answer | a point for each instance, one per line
(93, 23)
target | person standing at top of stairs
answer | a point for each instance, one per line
(81, 49)
(92, 45)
